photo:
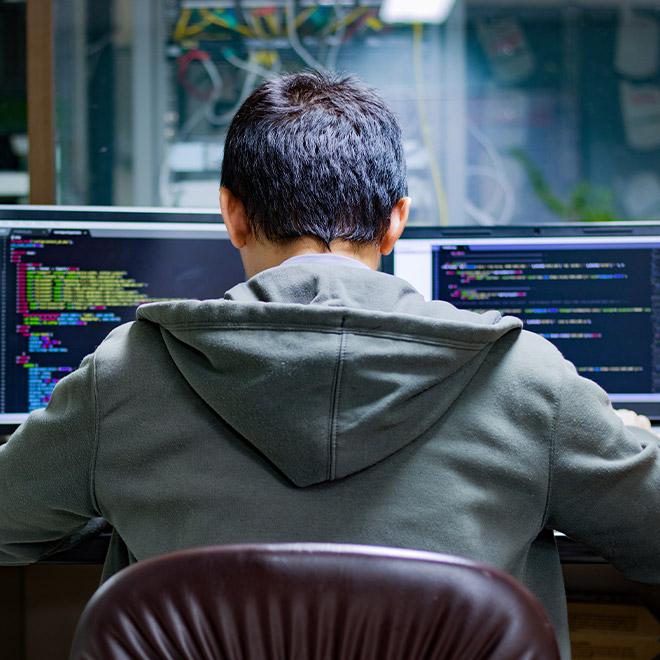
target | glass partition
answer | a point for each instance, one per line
(523, 112)
(14, 186)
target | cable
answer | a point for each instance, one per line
(477, 214)
(484, 216)
(253, 73)
(498, 174)
(441, 198)
(181, 25)
(272, 20)
(249, 66)
(227, 116)
(333, 51)
(184, 63)
(347, 18)
(300, 50)
(167, 190)
(239, 11)
(357, 24)
(183, 30)
(255, 23)
(304, 15)
(212, 96)
(212, 18)
(495, 199)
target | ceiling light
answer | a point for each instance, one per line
(416, 11)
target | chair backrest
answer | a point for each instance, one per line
(309, 602)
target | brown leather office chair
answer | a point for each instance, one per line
(312, 601)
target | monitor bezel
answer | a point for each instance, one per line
(558, 230)
(108, 213)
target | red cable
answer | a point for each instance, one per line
(184, 63)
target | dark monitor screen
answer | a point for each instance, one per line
(66, 283)
(597, 298)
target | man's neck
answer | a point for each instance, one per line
(265, 254)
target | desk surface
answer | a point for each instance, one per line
(93, 550)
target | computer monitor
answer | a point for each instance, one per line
(70, 275)
(592, 290)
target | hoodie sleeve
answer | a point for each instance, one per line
(45, 472)
(605, 481)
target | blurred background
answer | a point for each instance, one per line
(519, 112)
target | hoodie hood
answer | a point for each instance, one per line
(326, 369)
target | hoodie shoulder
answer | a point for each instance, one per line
(529, 371)
(127, 347)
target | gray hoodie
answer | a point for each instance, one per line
(322, 402)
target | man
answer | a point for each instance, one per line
(324, 401)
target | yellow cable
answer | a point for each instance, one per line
(197, 28)
(273, 23)
(181, 24)
(266, 58)
(303, 16)
(255, 23)
(214, 19)
(441, 198)
(348, 19)
(374, 23)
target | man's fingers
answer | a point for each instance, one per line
(631, 418)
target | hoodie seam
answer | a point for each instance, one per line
(310, 328)
(334, 406)
(552, 452)
(96, 442)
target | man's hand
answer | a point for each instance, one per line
(631, 418)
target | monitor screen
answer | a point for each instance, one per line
(596, 298)
(67, 283)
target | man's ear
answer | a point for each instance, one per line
(398, 219)
(235, 218)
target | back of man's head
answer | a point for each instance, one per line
(312, 154)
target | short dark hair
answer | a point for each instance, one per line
(315, 154)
